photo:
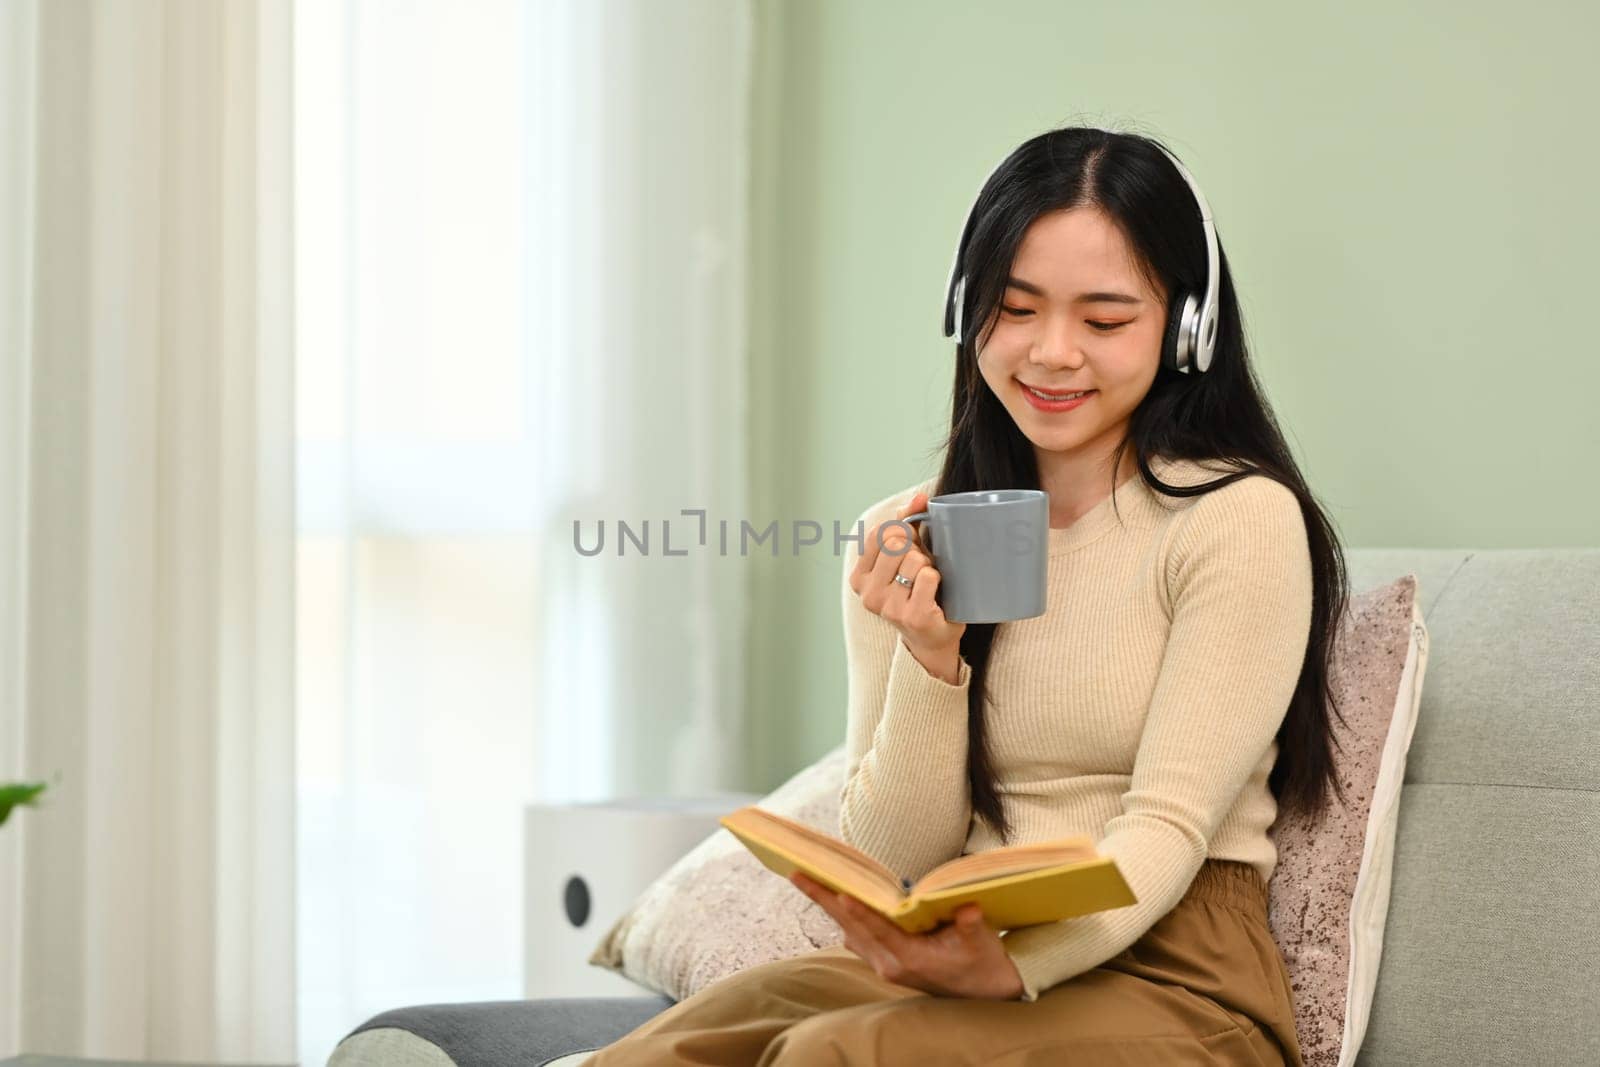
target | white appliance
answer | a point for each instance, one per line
(584, 865)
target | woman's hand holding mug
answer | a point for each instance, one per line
(932, 639)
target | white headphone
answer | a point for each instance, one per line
(1191, 333)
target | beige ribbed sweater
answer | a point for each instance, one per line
(1140, 709)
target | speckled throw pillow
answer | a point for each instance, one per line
(718, 910)
(1330, 890)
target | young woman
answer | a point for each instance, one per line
(1171, 702)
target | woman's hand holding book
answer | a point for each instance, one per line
(963, 958)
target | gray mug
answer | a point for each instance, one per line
(992, 549)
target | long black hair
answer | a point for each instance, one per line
(1220, 415)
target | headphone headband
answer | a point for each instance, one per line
(1195, 328)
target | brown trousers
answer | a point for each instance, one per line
(1205, 985)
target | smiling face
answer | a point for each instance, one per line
(1076, 315)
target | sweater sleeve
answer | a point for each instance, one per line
(905, 800)
(1240, 586)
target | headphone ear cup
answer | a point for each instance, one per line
(956, 301)
(1170, 356)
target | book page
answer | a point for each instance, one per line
(1012, 901)
(862, 875)
(1012, 859)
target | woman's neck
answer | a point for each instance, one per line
(1077, 481)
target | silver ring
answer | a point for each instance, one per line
(903, 580)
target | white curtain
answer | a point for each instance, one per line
(521, 289)
(146, 530)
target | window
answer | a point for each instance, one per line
(418, 498)
(521, 290)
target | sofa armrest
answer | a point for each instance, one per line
(501, 1033)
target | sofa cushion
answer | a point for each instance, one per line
(1488, 949)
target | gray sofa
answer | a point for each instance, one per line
(1492, 949)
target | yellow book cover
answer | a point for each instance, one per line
(1016, 886)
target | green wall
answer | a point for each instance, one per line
(1405, 193)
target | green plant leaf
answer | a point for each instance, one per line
(17, 794)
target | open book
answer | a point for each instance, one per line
(1017, 885)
